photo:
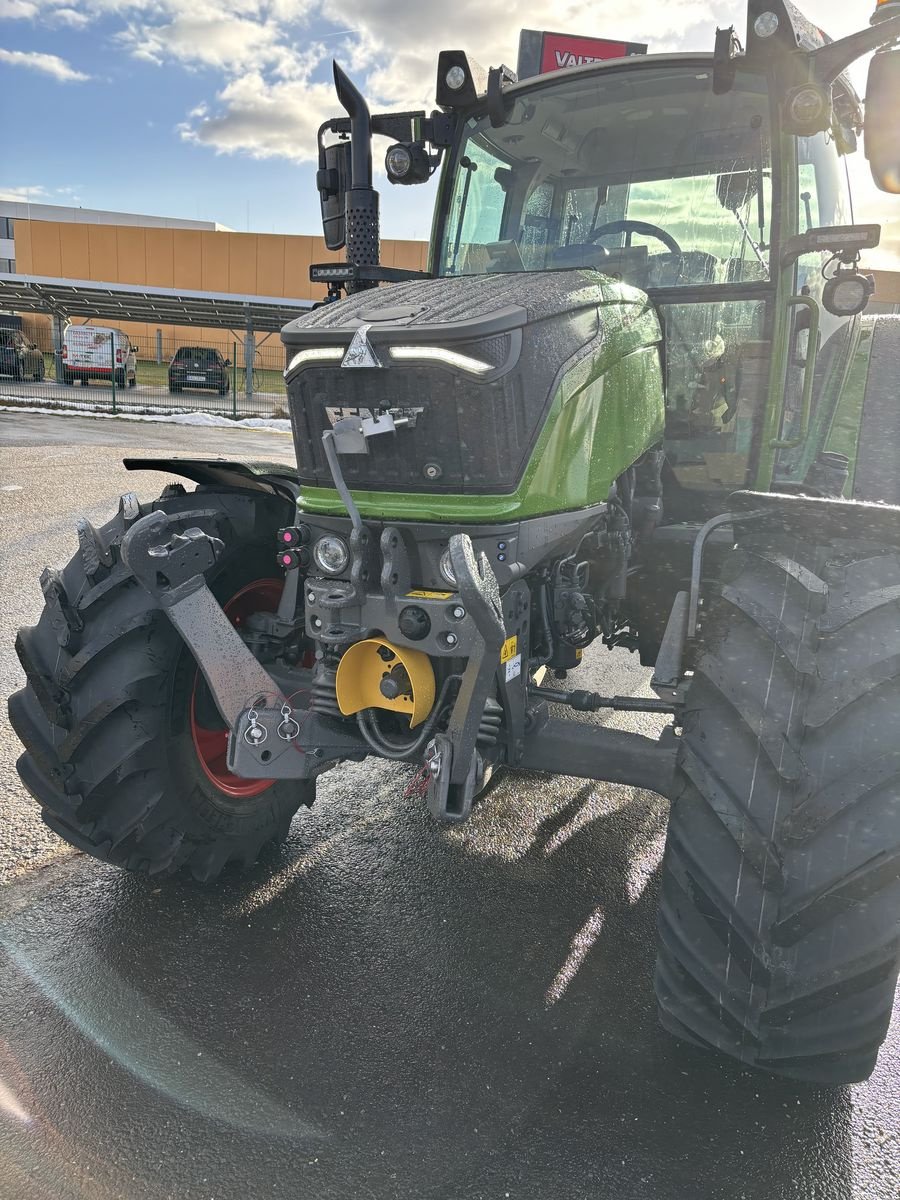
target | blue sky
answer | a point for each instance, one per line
(208, 108)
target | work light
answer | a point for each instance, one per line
(331, 554)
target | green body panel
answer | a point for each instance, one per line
(843, 436)
(607, 410)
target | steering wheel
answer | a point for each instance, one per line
(630, 227)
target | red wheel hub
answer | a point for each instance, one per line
(211, 744)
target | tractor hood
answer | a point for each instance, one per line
(466, 366)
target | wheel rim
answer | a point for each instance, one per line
(211, 745)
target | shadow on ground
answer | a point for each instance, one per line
(387, 1009)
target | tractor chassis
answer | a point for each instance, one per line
(273, 737)
(275, 734)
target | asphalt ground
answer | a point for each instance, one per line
(384, 1007)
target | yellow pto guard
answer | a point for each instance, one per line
(377, 674)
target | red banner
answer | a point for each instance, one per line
(562, 50)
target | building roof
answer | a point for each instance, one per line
(26, 210)
(132, 302)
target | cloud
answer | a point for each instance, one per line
(276, 97)
(270, 97)
(48, 64)
(262, 119)
(22, 195)
(208, 38)
(55, 12)
(18, 10)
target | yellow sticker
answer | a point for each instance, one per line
(579, 654)
(509, 649)
(421, 594)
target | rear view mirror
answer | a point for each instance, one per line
(882, 125)
(333, 181)
(227, 362)
(736, 189)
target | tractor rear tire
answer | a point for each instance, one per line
(124, 750)
(779, 941)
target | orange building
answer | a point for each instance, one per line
(203, 260)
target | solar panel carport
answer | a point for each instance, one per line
(65, 299)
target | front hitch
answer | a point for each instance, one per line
(455, 770)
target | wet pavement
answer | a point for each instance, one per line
(384, 1008)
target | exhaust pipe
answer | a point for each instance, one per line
(361, 202)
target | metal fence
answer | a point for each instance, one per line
(233, 377)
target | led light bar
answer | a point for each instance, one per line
(314, 354)
(450, 358)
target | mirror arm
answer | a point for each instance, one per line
(826, 63)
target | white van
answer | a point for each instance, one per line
(88, 353)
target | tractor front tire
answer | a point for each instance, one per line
(124, 749)
(779, 941)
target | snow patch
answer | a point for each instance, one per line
(166, 416)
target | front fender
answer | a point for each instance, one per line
(277, 479)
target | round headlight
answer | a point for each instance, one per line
(765, 24)
(331, 554)
(808, 110)
(446, 568)
(455, 78)
(398, 162)
(847, 293)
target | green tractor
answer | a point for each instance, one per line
(633, 401)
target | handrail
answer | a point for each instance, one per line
(809, 369)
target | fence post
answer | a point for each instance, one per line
(112, 377)
(234, 381)
(249, 363)
(159, 347)
(58, 341)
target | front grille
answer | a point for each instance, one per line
(477, 434)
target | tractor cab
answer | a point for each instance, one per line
(715, 183)
(642, 172)
(683, 176)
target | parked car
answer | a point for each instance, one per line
(88, 353)
(19, 357)
(198, 367)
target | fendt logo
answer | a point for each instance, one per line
(542, 51)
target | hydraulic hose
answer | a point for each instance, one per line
(387, 747)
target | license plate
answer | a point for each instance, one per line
(196, 378)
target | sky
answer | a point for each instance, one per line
(208, 109)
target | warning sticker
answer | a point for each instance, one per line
(508, 649)
(514, 668)
(422, 594)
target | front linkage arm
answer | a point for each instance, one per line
(172, 567)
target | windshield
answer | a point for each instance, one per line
(643, 173)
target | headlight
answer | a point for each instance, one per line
(398, 161)
(847, 293)
(446, 568)
(314, 354)
(407, 162)
(450, 358)
(766, 24)
(455, 78)
(331, 554)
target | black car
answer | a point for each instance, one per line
(199, 367)
(19, 357)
